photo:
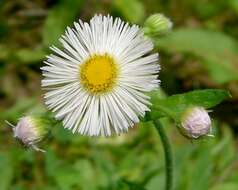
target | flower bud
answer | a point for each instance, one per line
(157, 24)
(30, 130)
(195, 123)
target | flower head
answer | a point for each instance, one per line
(195, 122)
(30, 130)
(96, 82)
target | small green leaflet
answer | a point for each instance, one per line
(175, 105)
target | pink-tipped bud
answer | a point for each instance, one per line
(195, 123)
(30, 130)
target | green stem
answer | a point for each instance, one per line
(168, 154)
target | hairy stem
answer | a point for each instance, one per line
(168, 154)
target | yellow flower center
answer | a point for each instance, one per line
(98, 74)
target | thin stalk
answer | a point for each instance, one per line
(168, 154)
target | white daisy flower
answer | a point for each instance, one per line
(96, 84)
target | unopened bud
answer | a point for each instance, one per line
(195, 123)
(157, 24)
(30, 130)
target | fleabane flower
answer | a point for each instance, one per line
(195, 123)
(96, 83)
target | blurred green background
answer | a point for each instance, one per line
(201, 52)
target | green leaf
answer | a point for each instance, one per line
(126, 8)
(217, 51)
(175, 105)
(59, 18)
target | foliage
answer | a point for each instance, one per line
(175, 105)
(73, 162)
